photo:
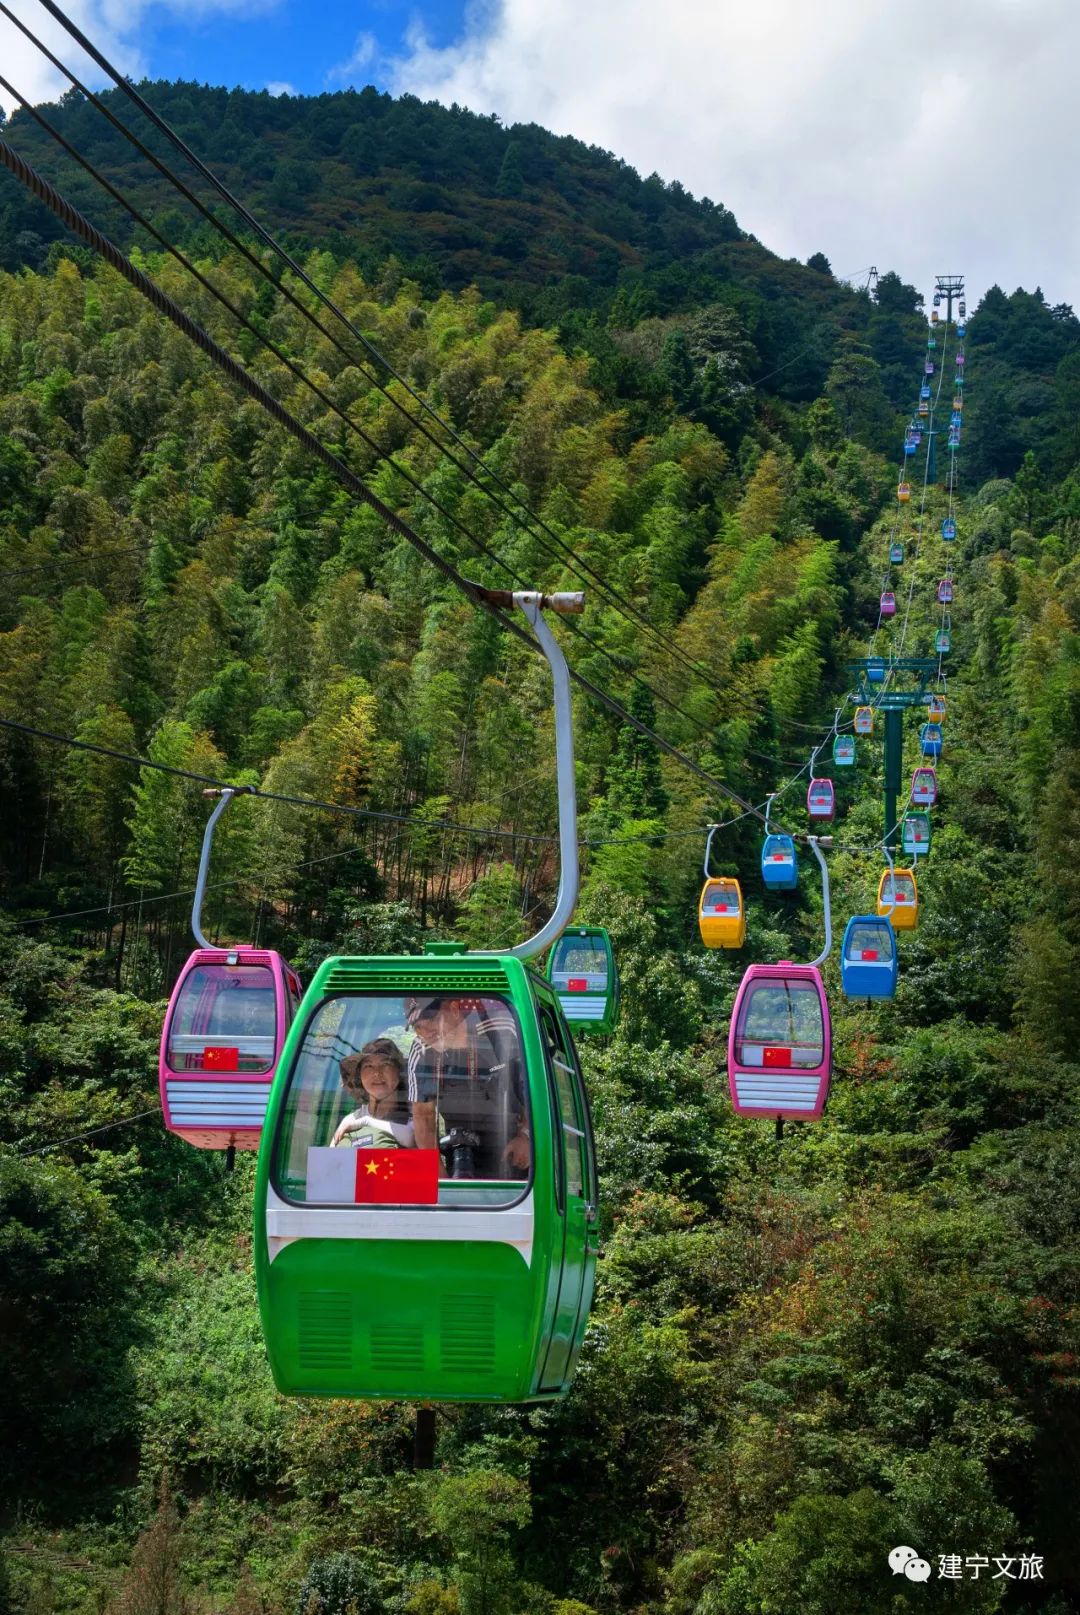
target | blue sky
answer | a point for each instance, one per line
(310, 47)
(825, 128)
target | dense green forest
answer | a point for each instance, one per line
(567, 233)
(802, 1354)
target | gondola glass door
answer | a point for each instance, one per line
(575, 1189)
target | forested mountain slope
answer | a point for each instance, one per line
(565, 232)
(802, 1354)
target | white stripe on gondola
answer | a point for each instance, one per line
(758, 1093)
(216, 1104)
(512, 1225)
(581, 1007)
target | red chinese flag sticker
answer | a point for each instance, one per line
(776, 1057)
(577, 984)
(869, 953)
(397, 1177)
(221, 1059)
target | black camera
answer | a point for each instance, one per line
(460, 1147)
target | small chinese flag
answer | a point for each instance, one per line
(221, 1059)
(577, 984)
(869, 953)
(397, 1177)
(776, 1057)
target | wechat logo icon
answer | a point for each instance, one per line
(906, 1562)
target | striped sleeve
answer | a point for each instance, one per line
(412, 1086)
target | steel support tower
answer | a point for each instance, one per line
(893, 703)
(950, 287)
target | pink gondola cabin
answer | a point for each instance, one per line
(924, 787)
(223, 1034)
(780, 1044)
(821, 799)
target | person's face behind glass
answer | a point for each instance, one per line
(379, 1077)
(428, 1029)
(452, 1024)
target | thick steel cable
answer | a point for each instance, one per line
(448, 826)
(260, 268)
(314, 803)
(260, 336)
(80, 226)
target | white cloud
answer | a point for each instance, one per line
(30, 73)
(113, 25)
(281, 87)
(845, 127)
(361, 57)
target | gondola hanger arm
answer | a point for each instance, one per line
(708, 850)
(532, 602)
(817, 842)
(892, 880)
(226, 794)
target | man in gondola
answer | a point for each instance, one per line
(465, 1072)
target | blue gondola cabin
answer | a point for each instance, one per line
(779, 864)
(930, 739)
(868, 961)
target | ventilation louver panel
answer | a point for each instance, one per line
(418, 978)
(467, 1343)
(324, 1329)
(793, 1093)
(397, 1347)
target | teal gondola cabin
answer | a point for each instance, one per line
(581, 968)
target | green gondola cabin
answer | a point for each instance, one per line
(462, 1272)
(581, 968)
